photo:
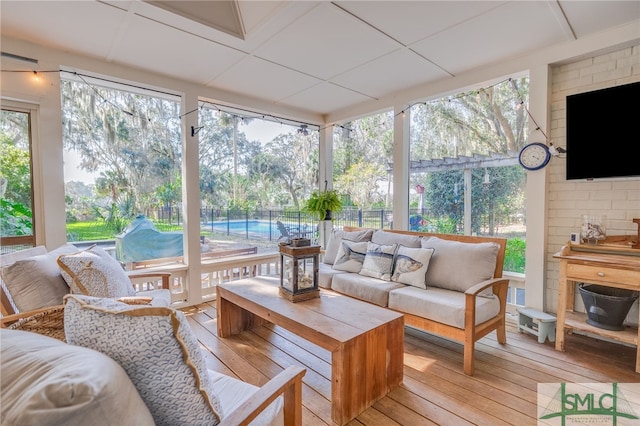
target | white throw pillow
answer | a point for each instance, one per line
(411, 266)
(94, 272)
(350, 256)
(337, 235)
(47, 382)
(386, 237)
(35, 282)
(378, 262)
(458, 266)
(157, 349)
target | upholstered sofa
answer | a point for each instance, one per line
(450, 285)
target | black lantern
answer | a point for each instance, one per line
(299, 272)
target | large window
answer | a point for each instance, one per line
(362, 154)
(255, 174)
(16, 189)
(122, 154)
(464, 175)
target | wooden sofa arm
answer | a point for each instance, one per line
(476, 289)
(165, 276)
(288, 383)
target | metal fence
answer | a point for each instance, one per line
(264, 224)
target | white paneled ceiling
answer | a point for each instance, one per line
(316, 56)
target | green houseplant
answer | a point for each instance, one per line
(323, 203)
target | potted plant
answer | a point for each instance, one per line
(323, 204)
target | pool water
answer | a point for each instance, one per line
(258, 228)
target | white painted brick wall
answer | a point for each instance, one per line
(618, 199)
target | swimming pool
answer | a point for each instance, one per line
(254, 228)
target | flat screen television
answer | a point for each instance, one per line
(603, 133)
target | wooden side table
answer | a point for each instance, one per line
(600, 265)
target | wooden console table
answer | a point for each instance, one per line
(595, 265)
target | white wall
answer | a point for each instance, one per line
(618, 198)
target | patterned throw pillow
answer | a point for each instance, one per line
(337, 235)
(157, 349)
(378, 263)
(94, 272)
(411, 266)
(350, 256)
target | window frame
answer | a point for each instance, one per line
(37, 211)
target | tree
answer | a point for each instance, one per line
(15, 170)
(362, 153)
(132, 140)
(15, 175)
(487, 121)
(361, 182)
(293, 164)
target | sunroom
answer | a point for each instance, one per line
(346, 74)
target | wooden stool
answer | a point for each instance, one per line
(537, 323)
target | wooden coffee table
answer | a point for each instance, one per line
(365, 340)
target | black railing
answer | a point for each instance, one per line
(264, 224)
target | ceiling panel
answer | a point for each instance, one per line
(325, 42)
(589, 17)
(411, 21)
(379, 77)
(324, 98)
(173, 52)
(70, 25)
(265, 80)
(506, 32)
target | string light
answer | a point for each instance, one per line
(254, 114)
(280, 120)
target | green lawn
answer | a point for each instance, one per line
(93, 231)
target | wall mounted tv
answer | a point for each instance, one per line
(603, 133)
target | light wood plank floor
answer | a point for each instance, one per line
(434, 390)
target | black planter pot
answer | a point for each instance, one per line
(607, 307)
(328, 215)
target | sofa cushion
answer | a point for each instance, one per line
(156, 348)
(386, 237)
(411, 266)
(35, 282)
(364, 288)
(458, 266)
(326, 273)
(350, 256)
(444, 306)
(94, 272)
(337, 235)
(47, 382)
(378, 262)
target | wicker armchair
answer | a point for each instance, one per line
(47, 319)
